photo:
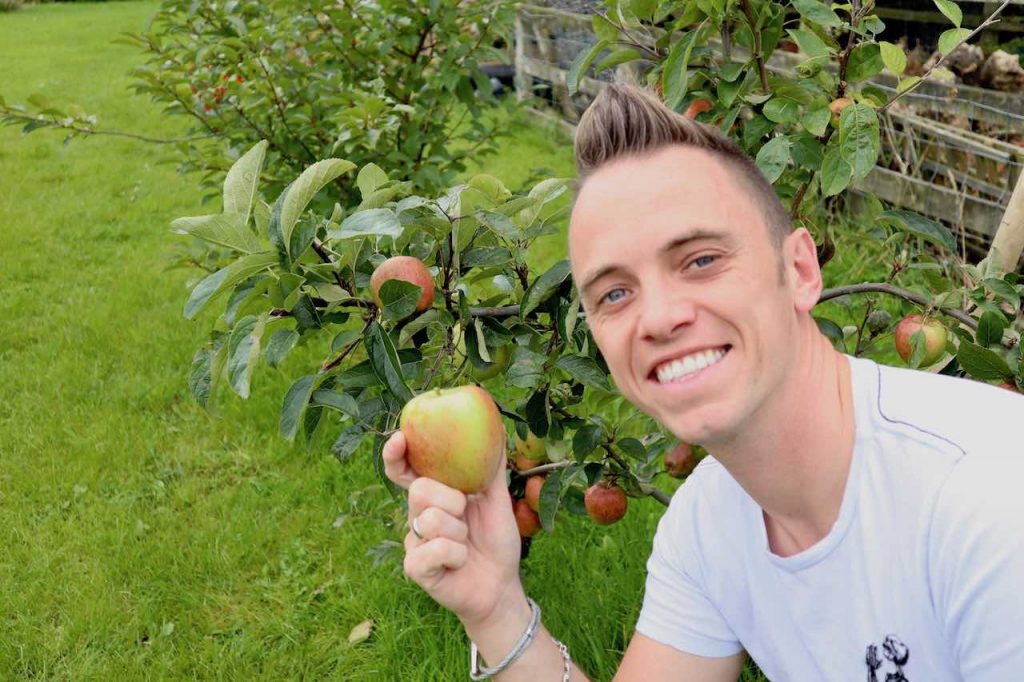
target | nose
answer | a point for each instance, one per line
(664, 313)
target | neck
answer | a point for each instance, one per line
(793, 460)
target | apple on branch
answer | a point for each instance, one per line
(530, 453)
(606, 502)
(406, 269)
(934, 338)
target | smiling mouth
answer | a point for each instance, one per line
(683, 368)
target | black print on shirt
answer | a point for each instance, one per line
(894, 657)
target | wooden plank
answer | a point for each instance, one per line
(1004, 25)
(535, 67)
(980, 217)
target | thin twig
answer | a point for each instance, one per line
(8, 114)
(748, 10)
(959, 315)
(985, 24)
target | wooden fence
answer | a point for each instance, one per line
(931, 160)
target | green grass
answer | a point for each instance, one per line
(145, 539)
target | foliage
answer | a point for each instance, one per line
(10, 5)
(393, 82)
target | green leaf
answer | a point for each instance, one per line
(243, 351)
(1004, 290)
(222, 229)
(550, 498)
(831, 330)
(399, 299)
(542, 287)
(416, 324)
(781, 110)
(907, 83)
(643, 9)
(982, 363)
(616, 58)
(526, 368)
(294, 407)
(949, 40)
(584, 370)
(370, 179)
(207, 364)
(279, 345)
(632, 447)
(893, 56)
(579, 66)
(990, 329)
(224, 279)
(348, 442)
(604, 29)
(817, 12)
(859, 142)
(342, 402)
(922, 227)
(816, 121)
(385, 364)
(241, 182)
(773, 158)
(809, 43)
(373, 222)
(301, 192)
(836, 173)
(865, 62)
(675, 70)
(951, 10)
(585, 440)
(483, 256)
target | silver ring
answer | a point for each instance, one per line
(415, 528)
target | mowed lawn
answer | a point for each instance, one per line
(142, 538)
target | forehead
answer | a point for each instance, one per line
(635, 205)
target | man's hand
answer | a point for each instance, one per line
(468, 559)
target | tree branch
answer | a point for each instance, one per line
(748, 11)
(959, 315)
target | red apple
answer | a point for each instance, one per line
(605, 502)
(934, 338)
(532, 492)
(454, 436)
(680, 461)
(526, 519)
(406, 269)
(697, 106)
(530, 452)
(837, 106)
(1009, 387)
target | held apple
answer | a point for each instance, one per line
(530, 452)
(934, 338)
(680, 461)
(605, 502)
(454, 436)
(526, 519)
(406, 269)
(1009, 387)
(532, 492)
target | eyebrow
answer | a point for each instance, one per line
(695, 235)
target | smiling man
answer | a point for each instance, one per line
(851, 522)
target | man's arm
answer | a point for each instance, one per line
(647, 659)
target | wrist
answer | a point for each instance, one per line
(497, 632)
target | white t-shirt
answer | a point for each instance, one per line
(921, 579)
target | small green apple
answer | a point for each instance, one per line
(530, 452)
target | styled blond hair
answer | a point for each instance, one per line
(628, 121)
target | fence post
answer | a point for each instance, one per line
(1009, 239)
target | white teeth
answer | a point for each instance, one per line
(678, 369)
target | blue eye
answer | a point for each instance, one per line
(614, 295)
(707, 261)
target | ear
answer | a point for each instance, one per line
(803, 274)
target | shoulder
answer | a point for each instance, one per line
(968, 415)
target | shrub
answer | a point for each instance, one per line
(393, 82)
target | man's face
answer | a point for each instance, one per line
(683, 292)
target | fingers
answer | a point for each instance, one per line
(434, 522)
(396, 466)
(426, 492)
(428, 560)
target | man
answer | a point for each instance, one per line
(852, 521)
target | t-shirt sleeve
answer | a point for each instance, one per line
(976, 564)
(676, 611)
